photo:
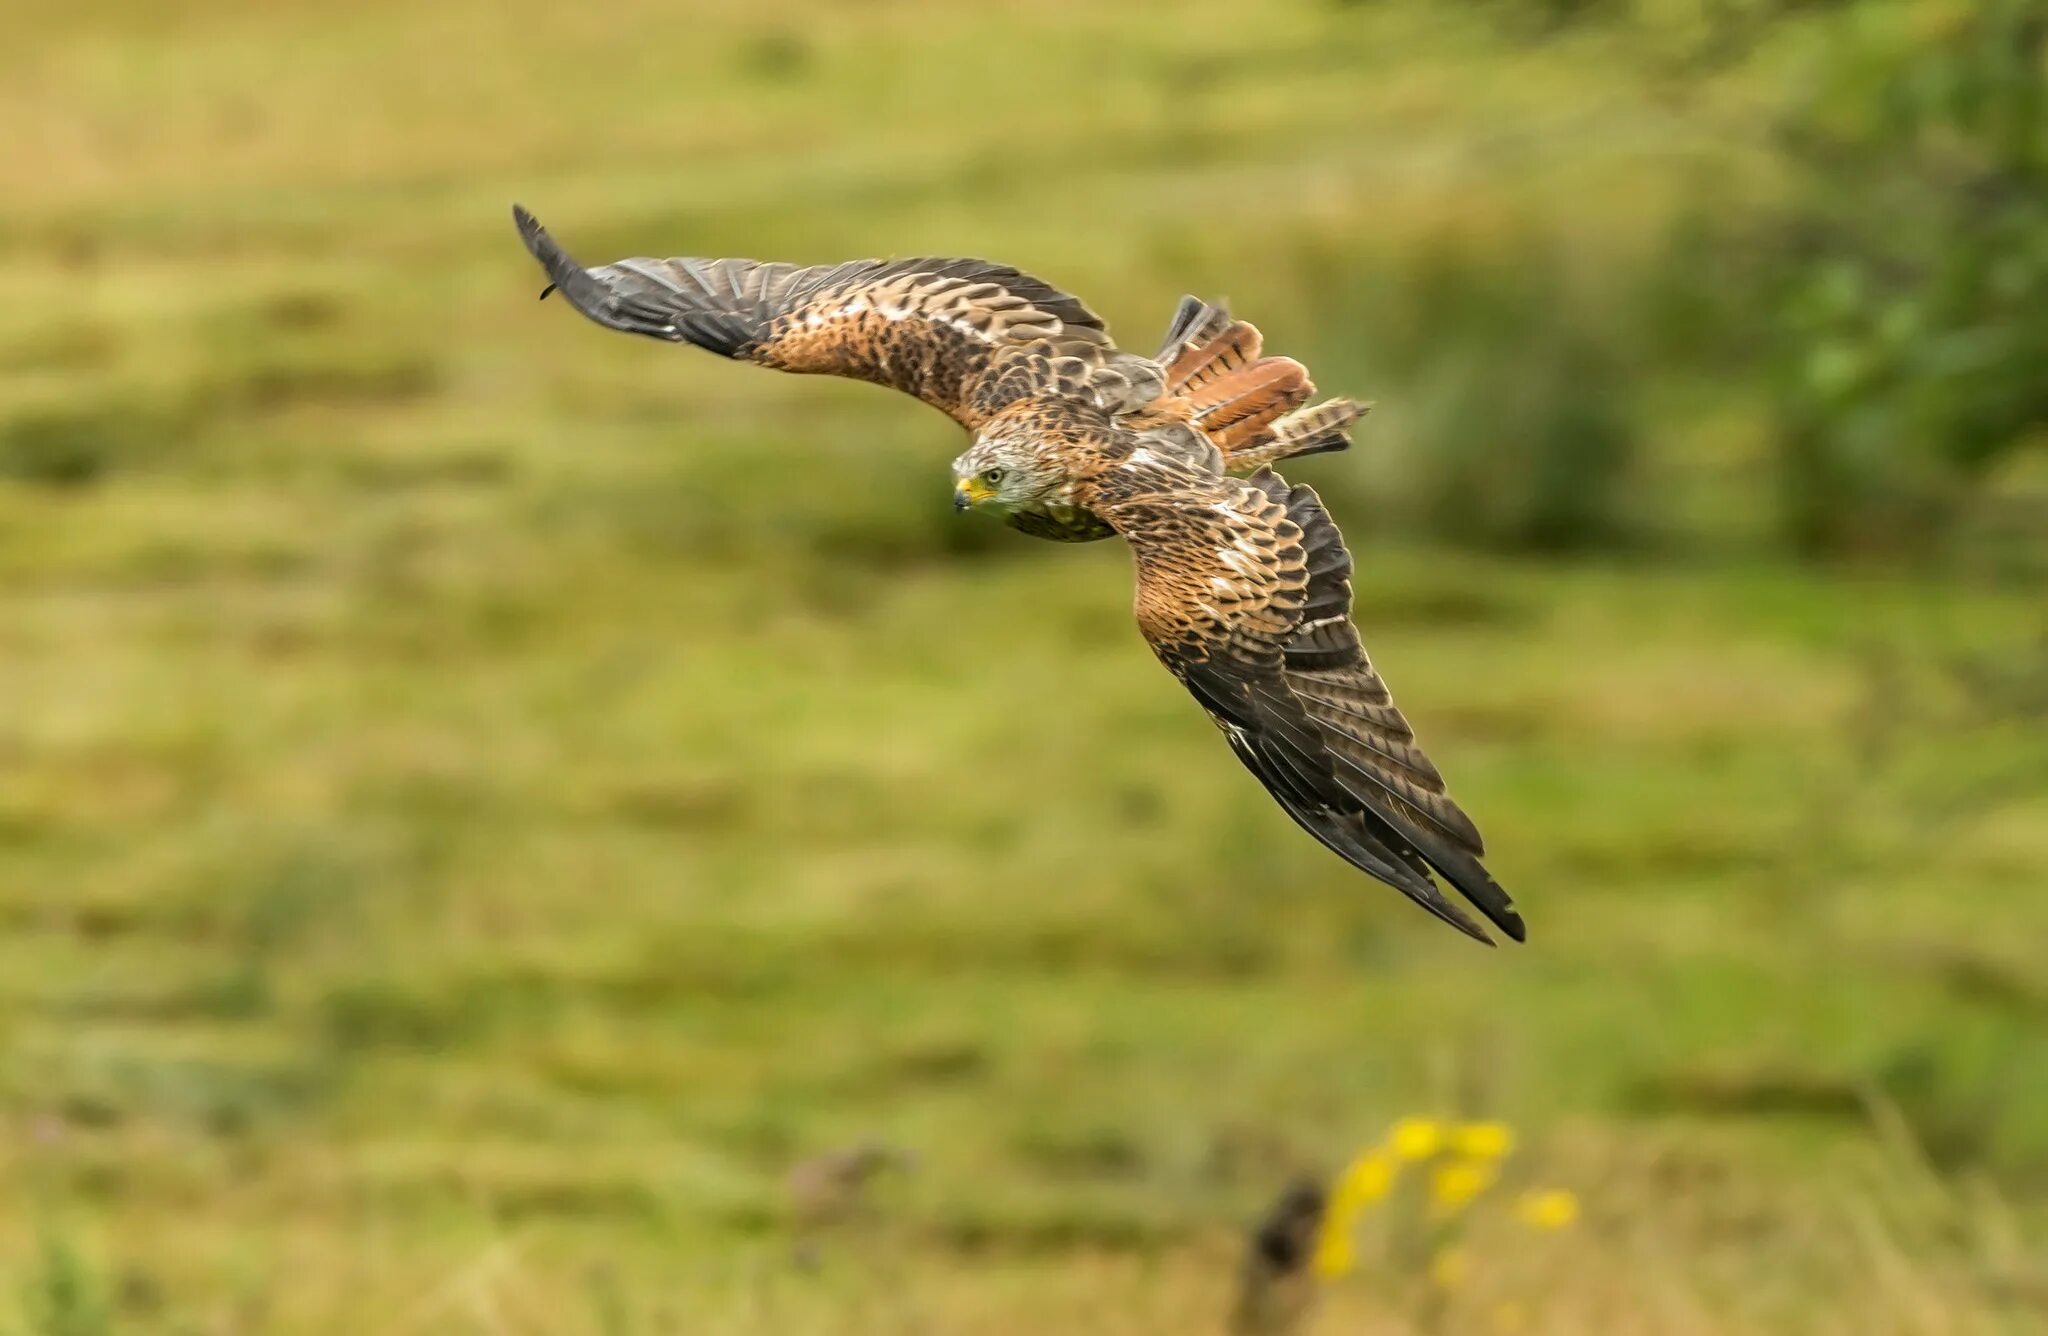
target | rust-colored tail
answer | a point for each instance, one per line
(1248, 404)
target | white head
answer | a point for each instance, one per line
(1007, 473)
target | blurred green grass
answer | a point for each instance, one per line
(479, 798)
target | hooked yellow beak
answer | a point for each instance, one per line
(971, 491)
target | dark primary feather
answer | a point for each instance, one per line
(633, 303)
(967, 336)
(1277, 743)
(1329, 675)
(1266, 644)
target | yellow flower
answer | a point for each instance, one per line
(1556, 1208)
(1365, 1180)
(1416, 1139)
(1335, 1255)
(1453, 1186)
(1447, 1269)
(1483, 1141)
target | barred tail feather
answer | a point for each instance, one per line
(1307, 431)
(1250, 405)
(1216, 349)
(1238, 409)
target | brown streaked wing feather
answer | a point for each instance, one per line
(967, 336)
(1244, 594)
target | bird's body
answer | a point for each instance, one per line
(1244, 588)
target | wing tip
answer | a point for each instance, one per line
(1502, 917)
(530, 231)
(1470, 879)
(1480, 890)
(1353, 841)
(1466, 926)
(1493, 902)
(543, 248)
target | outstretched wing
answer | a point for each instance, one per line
(1244, 591)
(968, 337)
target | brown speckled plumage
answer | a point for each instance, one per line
(1244, 584)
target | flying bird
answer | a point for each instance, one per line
(1243, 582)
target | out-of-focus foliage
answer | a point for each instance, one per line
(1523, 400)
(1884, 304)
(1911, 356)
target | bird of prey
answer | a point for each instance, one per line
(1243, 582)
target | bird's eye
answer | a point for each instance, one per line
(992, 477)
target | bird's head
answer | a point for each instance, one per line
(1005, 474)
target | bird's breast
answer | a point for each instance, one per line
(1060, 523)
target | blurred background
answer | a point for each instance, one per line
(502, 825)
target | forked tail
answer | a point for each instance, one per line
(1248, 404)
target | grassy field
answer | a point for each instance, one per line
(481, 798)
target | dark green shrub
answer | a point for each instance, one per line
(1911, 278)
